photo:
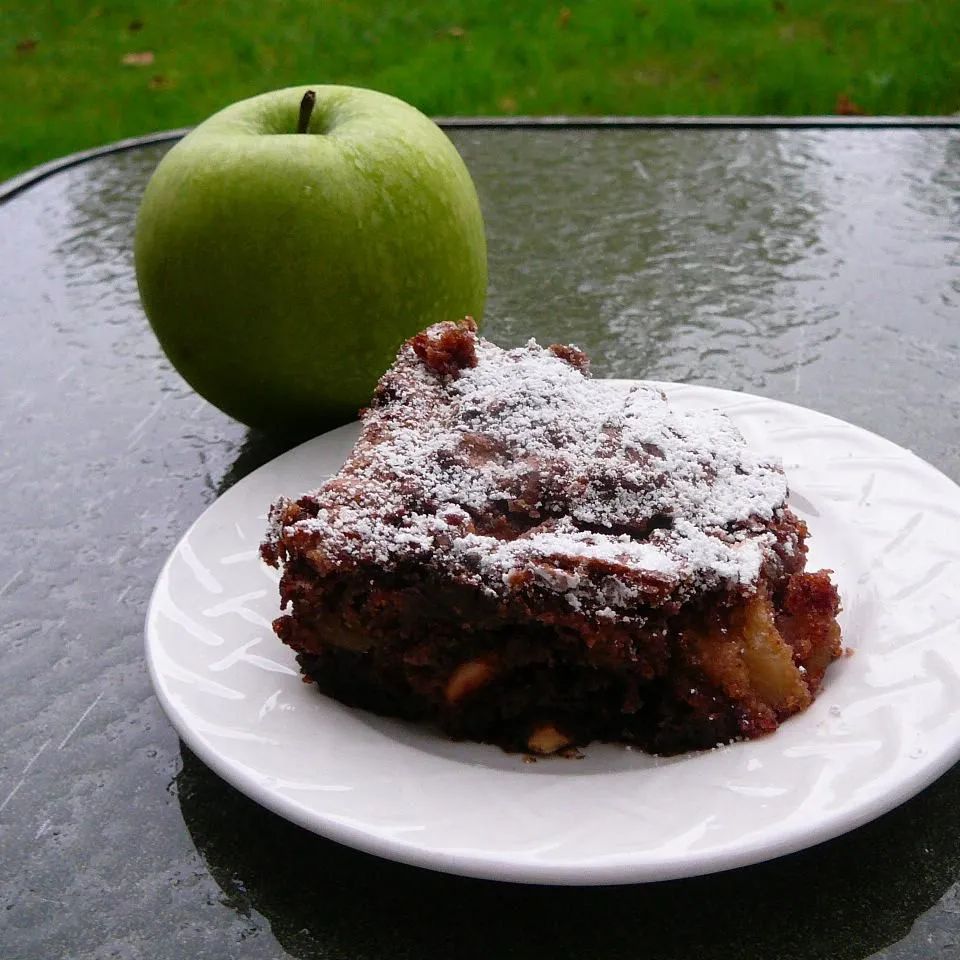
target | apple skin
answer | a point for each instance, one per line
(281, 271)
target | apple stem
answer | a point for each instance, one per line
(306, 108)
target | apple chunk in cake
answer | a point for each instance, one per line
(523, 555)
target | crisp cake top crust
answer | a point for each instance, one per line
(513, 471)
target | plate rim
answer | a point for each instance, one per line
(622, 869)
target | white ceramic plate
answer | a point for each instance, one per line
(886, 724)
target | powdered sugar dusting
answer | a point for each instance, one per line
(522, 475)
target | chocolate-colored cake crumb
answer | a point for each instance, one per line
(526, 556)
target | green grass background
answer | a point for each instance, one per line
(64, 85)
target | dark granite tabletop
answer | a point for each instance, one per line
(818, 266)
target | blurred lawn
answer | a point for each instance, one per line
(64, 84)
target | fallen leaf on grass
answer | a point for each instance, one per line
(847, 108)
(564, 17)
(159, 82)
(507, 104)
(26, 46)
(457, 32)
(142, 59)
(652, 77)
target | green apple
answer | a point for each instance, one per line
(289, 244)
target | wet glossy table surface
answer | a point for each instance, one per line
(820, 267)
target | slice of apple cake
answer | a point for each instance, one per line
(523, 555)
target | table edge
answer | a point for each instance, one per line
(20, 182)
